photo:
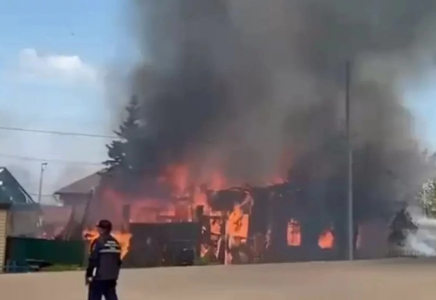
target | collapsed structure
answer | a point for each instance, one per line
(275, 223)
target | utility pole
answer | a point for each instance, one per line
(41, 177)
(350, 164)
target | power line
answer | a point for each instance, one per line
(59, 161)
(58, 132)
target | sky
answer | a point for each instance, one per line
(420, 97)
(53, 63)
(55, 58)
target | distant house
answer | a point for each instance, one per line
(78, 192)
(25, 214)
(11, 190)
(77, 195)
(92, 200)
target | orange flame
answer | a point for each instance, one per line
(178, 177)
(294, 233)
(218, 181)
(187, 193)
(122, 238)
(326, 240)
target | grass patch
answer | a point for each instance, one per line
(61, 268)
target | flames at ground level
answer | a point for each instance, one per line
(123, 238)
(233, 221)
(236, 236)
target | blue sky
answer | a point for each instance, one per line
(51, 57)
(52, 60)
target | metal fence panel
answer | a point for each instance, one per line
(20, 250)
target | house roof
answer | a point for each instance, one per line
(81, 186)
(11, 190)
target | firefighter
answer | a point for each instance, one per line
(104, 264)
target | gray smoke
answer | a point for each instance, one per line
(242, 85)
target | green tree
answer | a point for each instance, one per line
(124, 154)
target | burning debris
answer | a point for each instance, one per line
(238, 110)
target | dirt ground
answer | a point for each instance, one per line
(389, 279)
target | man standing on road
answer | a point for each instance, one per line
(104, 264)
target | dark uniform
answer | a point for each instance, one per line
(104, 268)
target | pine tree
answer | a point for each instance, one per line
(124, 155)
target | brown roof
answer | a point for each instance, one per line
(82, 186)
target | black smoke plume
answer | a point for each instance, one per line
(237, 85)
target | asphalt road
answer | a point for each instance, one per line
(412, 279)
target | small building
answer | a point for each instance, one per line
(24, 213)
(76, 197)
(77, 194)
(91, 200)
(16, 209)
(11, 190)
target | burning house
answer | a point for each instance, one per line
(237, 123)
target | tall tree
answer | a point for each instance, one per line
(125, 154)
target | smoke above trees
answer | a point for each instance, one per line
(237, 85)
